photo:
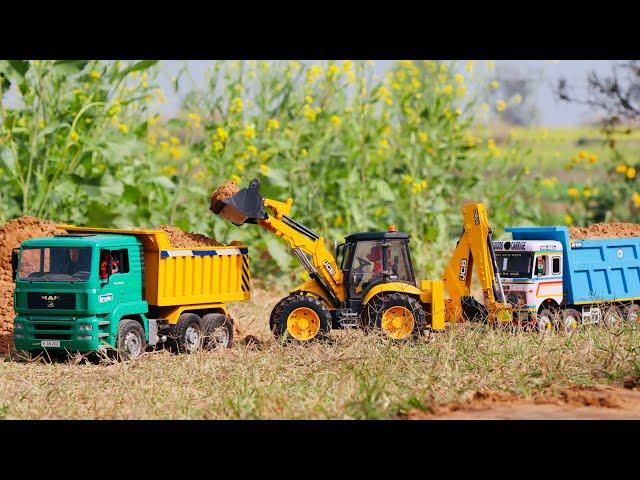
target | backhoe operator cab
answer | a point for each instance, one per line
(372, 258)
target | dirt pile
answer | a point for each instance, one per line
(224, 191)
(181, 239)
(12, 234)
(605, 230)
(579, 402)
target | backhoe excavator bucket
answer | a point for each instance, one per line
(245, 206)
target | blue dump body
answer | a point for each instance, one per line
(593, 270)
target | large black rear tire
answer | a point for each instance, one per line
(300, 318)
(399, 316)
(187, 333)
(218, 331)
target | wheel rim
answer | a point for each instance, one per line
(570, 324)
(303, 323)
(398, 322)
(544, 324)
(192, 338)
(132, 345)
(220, 337)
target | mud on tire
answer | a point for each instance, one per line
(285, 307)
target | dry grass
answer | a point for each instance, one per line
(352, 376)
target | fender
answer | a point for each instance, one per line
(399, 287)
(314, 288)
(128, 308)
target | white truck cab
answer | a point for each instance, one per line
(531, 273)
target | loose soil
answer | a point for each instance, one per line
(605, 230)
(579, 402)
(224, 191)
(181, 239)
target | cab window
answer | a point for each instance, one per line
(541, 265)
(555, 265)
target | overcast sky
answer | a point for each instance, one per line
(552, 113)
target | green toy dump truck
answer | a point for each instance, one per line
(93, 289)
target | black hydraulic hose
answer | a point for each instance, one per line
(300, 227)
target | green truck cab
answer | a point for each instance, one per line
(91, 291)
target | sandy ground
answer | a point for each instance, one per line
(599, 402)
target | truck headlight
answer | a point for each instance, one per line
(84, 337)
(86, 327)
(18, 326)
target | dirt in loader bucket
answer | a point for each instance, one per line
(238, 206)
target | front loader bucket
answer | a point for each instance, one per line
(245, 206)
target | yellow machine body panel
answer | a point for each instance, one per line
(187, 276)
(399, 287)
(315, 289)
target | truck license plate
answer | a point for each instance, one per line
(50, 343)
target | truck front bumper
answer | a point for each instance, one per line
(77, 334)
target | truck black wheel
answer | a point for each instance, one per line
(131, 341)
(300, 318)
(570, 320)
(613, 316)
(397, 315)
(632, 313)
(218, 331)
(546, 320)
(187, 333)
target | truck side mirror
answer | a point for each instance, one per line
(14, 262)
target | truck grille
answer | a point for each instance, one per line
(516, 298)
(52, 336)
(51, 301)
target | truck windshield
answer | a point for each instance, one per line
(55, 264)
(514, 264)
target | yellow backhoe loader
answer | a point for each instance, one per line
(369, 280)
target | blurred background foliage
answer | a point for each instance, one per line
(82, 144)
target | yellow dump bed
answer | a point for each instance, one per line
(187, 276)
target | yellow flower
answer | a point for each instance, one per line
(239, 166)
(174, 140)
(264, 169)
(347, 65)
(332, 70)
(175, 153)
(74, 136)
(252, 149)
(309, 113)
(458, 78)
(338, 221)
(586, 192)
(447, 89)
(249, 132)
(550, 182)
(395, 86)
(631, 172)
(218, 146)
(423, 137)
(195, 117)
(568, 219)
(501, 105)
(517, 99)
(582, 154)
(461, 91)
(41, 124)
(407, 179)
(415, 84)
(335, 120)
(573, 192)
(169, 170)
(123, 128)
(494, 84)
(222, 134)
(164, 145)
(593, 158)
(235, 178)
(153, 120)
(273, 124)
(379, 212)
(636, 199)
(621, 169)
(95, 74)
(304, 152)
(491, 144)
(236, 105)
(264, 156)
(384, 143)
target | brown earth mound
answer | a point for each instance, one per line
(181, 239)
(579, 402)
(225, 190)
(605, 230)
(12, 234)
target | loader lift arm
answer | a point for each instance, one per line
(475, 250)
(248, 206)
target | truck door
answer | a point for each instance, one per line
(114, 272)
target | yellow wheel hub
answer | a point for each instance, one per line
(398, 322)
(303, 323)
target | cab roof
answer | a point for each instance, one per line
(100, 240)
(356, 237)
